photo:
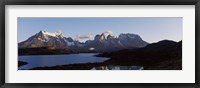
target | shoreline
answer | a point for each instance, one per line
(21, 63)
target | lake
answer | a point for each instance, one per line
(53, 60)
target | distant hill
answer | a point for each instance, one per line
(163, 55)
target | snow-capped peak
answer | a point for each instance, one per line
(101, 42)
(55, 34)
(51, 38)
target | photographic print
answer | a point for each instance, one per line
(100, 43)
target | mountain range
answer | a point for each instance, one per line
(162, 55)
(100, 43)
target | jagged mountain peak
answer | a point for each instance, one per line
(110, 37)
(102, 42)
(55, 34)
(46, 39)
(103, 37)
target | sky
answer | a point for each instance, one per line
(150, 29)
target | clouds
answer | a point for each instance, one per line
(83, 37)
(108, 32)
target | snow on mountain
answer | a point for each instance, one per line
(46, 39)
(106, 43)
(101, 43)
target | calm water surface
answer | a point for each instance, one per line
(53, 60)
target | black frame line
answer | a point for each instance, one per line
(3, 3)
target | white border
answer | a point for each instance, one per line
(187, 75)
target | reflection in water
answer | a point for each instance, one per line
(110, 67)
